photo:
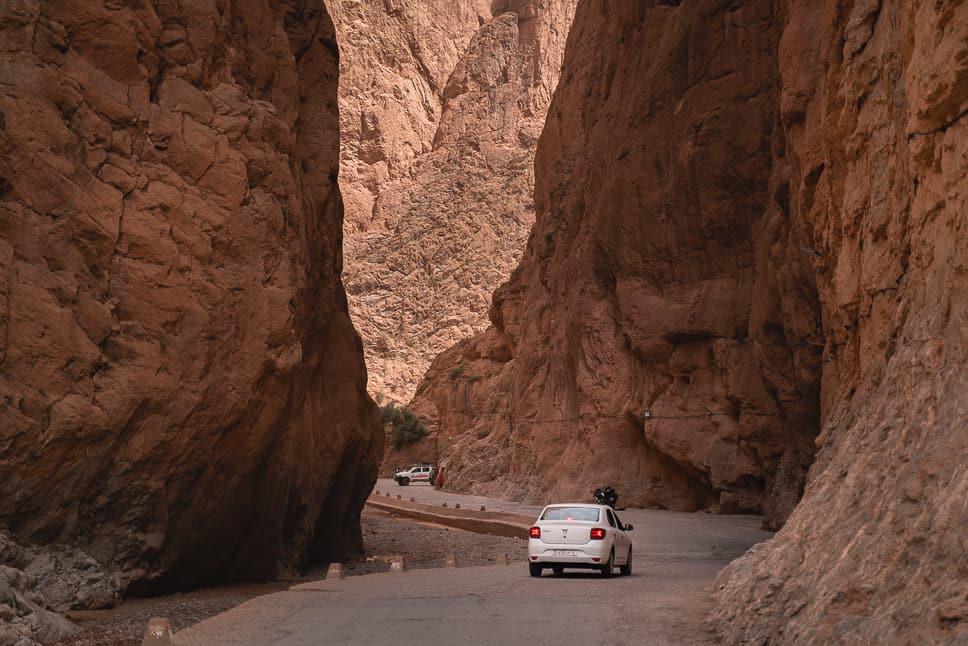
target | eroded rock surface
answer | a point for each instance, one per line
(750, 225)
(441, 104)
(26, 618)
(181, 390)
(638, 343)
(873, 107)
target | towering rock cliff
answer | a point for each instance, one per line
(181, 390)
(441, 104)
(749, 244)
(640, 337)
(873, 103)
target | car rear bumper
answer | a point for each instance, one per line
(590, 554)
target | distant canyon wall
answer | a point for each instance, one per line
(746, 283)
(441, 106)
(182, 392)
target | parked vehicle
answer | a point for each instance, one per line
(416, 473)
(577, 535)
(606, 496)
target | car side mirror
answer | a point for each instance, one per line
(629, 528)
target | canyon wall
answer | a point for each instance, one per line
(873, 104)
(441, 106)
(748, 261)
(642, 342)
(182, 393)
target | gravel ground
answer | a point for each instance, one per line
(384, 535)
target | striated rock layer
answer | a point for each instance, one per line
(873, 104)
(441, 104)
(181, 390)
(750, 226)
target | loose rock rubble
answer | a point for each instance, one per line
(37, 583)
(24, 619)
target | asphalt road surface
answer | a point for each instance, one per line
(677, 557)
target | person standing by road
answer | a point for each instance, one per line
(439, 480)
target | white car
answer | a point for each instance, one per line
(416, 473)
(576, 535)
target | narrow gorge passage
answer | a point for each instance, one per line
(711, 253)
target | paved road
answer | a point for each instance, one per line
(424, 493)
(663, 602)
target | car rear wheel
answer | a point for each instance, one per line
(534, 569)
(627, 568)
(609, 565)
(403, 482)
(558, 570)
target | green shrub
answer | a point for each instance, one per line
(407, 428)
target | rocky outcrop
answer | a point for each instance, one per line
(24, 618)
(181, 390)
(876, 165)
(63, 577)
(640, 336)
(748, 246)
(441, 104)
(37, 582)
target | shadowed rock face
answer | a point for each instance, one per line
(647, 284)
(876, 165)
(181, 390)
(750, 223)
(442, 103)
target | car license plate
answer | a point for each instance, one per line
(564, 553)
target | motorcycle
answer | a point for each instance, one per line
(606, 496)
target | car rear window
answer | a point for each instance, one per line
(589, 514)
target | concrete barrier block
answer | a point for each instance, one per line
(451, 560)
(457, 506)
(334, 572)
(397, 564)
(444, 505)
(399, 497)
(158, 632)
(412, 499)
(483, 508)
(388, 494)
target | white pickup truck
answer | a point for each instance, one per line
(416, 473)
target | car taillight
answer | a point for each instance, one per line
(535, 532)
(597, 533)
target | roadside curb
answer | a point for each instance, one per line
(482, 522)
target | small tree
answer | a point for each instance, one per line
(407, 427)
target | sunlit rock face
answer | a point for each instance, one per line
(441, 106)
(181, 390)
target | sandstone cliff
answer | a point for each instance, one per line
(441, 104)
(749, 225)
(640, 337)
(873, 104)
(181, 390)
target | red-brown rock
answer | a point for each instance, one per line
(750, 224)
(873, 104)
(181, 390)
(640, 343)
